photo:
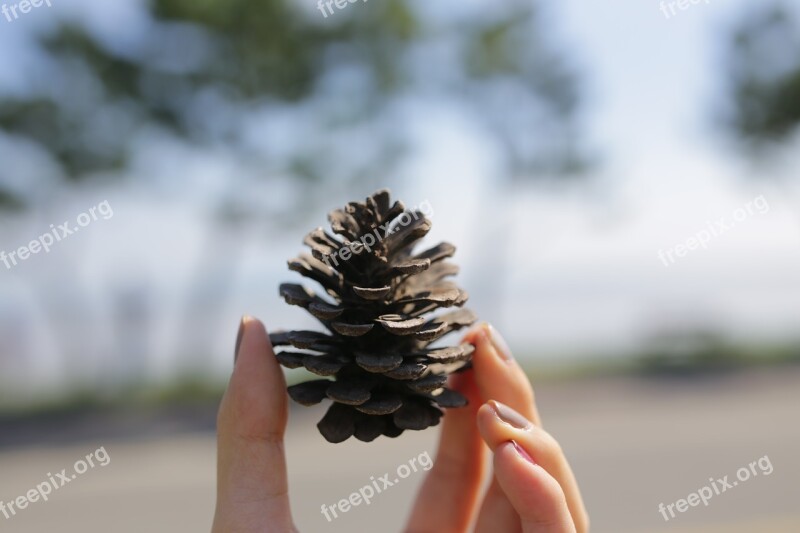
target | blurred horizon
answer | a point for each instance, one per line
(559, 170)
(619, 180)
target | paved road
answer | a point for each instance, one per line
(633, 443)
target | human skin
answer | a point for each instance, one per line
(532, 490)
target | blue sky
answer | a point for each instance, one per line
(586, 274)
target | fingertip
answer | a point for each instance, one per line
(253, 346)
(242, 322)
(255, 401)
(534, 493)
(475, 332)
(252, 480)
(489, 341)
(517, 467)
(499, 376)
(499, 423)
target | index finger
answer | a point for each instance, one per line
(448, 498)
(501, 378)
(498, 375)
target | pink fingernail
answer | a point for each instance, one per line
(500, 345)
(522, 453)
(509, 415)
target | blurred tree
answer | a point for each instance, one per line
(289, 92)
(529, 93)
(763, 71)
(202, 66)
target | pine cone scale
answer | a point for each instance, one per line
(384, 377)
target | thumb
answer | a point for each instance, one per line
(534, 494)
(252, 486)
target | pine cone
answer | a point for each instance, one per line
(386, 375)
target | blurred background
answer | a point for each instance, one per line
(575, 154)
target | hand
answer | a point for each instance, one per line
(529, 495)
(252, 485)
(532, 490)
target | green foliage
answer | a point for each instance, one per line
(278, 54)
(764, 74)
(10, 202)
(264, 48)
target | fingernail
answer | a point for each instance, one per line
(522, 453)
(239, 338)
(509, 415)
(475, 332)
(500, 344)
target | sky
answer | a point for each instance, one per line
(593, 276)
(580, 273)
